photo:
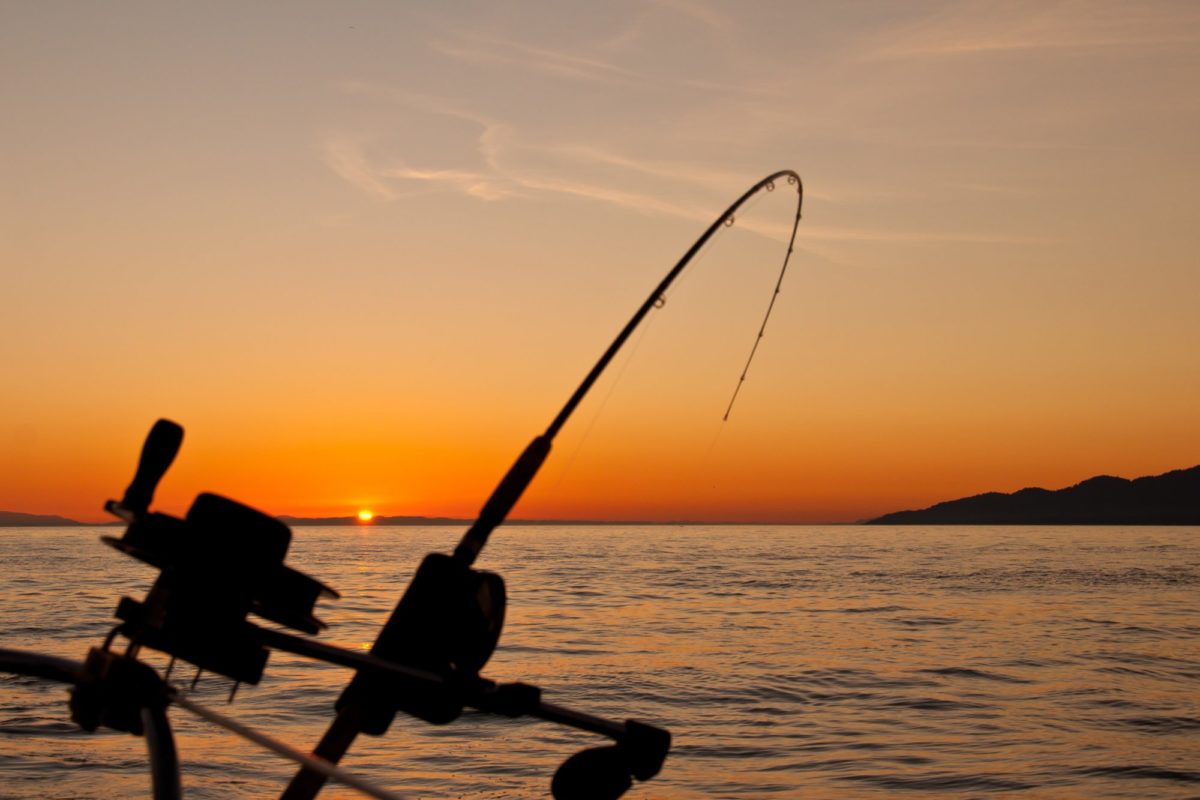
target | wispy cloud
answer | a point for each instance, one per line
(633, 201)
(496, 183)
(780, 231)
(654, 19)
(917, 237)
(699, 12)
(474, 184)
(997, 28)
(418, 101)
(344, 155)
(509, 165)
(681, 172)
(493, 50)
(506, 166)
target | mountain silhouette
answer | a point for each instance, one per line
(16, 519)
(1172, 498)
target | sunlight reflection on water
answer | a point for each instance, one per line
(787, 661)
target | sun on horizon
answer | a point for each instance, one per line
(365, 515)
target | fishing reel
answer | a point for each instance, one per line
(448, 622)
(224, 561)
(220, 563)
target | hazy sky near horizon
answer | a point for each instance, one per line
(364, 251)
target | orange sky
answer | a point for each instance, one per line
(363, 254)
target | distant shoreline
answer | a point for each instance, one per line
(11, 519)
(1172, 498)
(566, 523)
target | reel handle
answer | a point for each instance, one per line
(159, 451)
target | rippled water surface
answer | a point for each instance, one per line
(829, 662)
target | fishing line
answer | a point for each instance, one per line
(712, 444)
(762, 329)
(522, 472)
(320, 765)
(595, 417)
(637, 343)
(719, 427)
(680, 285)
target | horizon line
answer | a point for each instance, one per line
(414, 520)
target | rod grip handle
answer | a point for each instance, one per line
(161, 447)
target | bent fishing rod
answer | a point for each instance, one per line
(224, 561)
(521, 474)
(416, 631)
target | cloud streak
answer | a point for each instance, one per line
(1000, 28)
(344, 155)
(473, 184)
(493, 50)
(509, 165)
(504, 184)
(503, 166)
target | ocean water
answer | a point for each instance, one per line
(826, 662)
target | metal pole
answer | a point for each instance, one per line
(164, 759)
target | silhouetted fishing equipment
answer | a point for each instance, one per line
(450, 617)
(224, 561)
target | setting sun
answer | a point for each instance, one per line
(365, 516)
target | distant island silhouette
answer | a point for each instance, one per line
(1172, 498)
(16, 519)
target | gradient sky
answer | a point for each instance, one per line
(364, 251)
